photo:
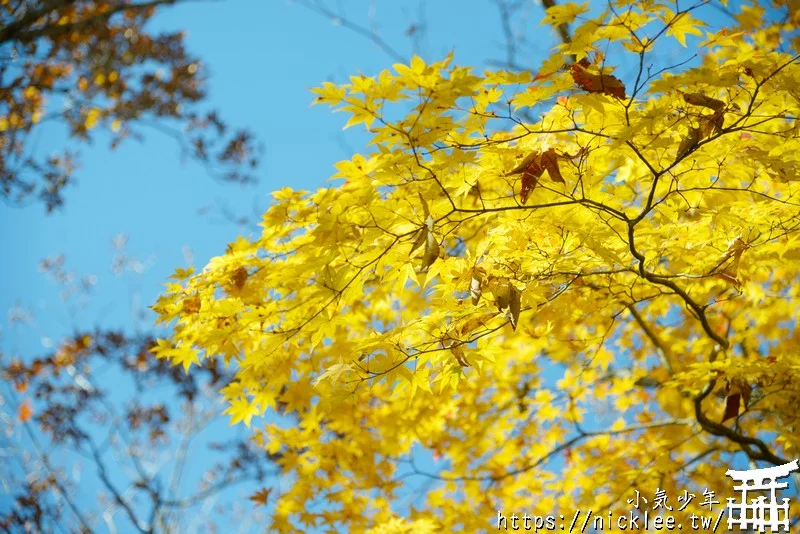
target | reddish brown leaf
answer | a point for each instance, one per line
(550, 162)
(738, 393)
(532, 167)
(526, 163)
(731, 407)
(529, 181)
(747, 390)
(597, 83)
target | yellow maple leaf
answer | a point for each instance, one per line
(684, 24)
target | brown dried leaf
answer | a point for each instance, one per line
(597, 83)
(425, 210)
(476, 322)
(529, 182)
(191, 305)
(239, 277)
(550, 162)
(699, 99)
(261, 497)
(422, 237)
(458, 353)
(737, 394)
(689, 142)
(730, 278)
(527, 161)
(712, 124)
(475, 193)
(730, 273)
(502, 293)
(431, 251)
(532, 167)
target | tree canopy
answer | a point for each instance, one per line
(92, 65)
(533, 288)
(72, 420)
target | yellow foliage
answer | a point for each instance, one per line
(92, 117)
(451, 313)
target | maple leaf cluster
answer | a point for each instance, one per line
(423, 341)
(94, 65)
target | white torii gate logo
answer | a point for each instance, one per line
(760, 513)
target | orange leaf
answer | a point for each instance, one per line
(25, 412)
